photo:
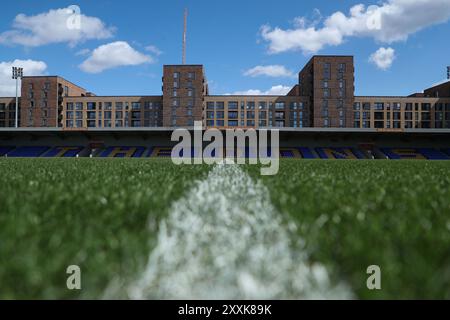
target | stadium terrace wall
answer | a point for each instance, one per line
(310, 143)
(322, 98)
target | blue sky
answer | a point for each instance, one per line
(228, 37)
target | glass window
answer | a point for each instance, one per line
(233, 114)
(220, 114)
(220, 105)
(210, 105)
(91, 106)
(280, 105)
(69, 106)
(176, 75)
(262, 105)
(232, 105)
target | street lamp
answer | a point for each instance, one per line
(17, 73)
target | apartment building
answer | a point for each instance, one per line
(323, 98)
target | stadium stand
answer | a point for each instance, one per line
(5, 150)
(28, 152)
(65, 152)
(339, 153)
(160, 152)
(122, 152)
(414, 153)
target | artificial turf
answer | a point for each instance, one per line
(353, 214)
(95, 213)
(102, 214)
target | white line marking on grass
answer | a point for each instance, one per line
(225, 240)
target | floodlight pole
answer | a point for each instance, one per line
(17, 73)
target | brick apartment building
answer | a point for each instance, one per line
(324, 97)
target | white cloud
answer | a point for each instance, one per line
(388, 22)
(83, 52)
(153, 49)
(269, 71)
(383, 58)
(30, 68)
(55, 26)
(113, 55)
(278, 90)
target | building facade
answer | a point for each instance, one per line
(323, 98)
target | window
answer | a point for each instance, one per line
(232, 105)
(251, 114)
(69, 106)
(262, 114)
(220, 123)
(210, 123)
(190, 93)
(325, 122)
(66, 91)
(210, 105)
(119, 105)
(176, 75)
(220, 105)
(135, 105)
(262, 105)
(326, 93)
(327, 71)
(357, 106)
(341, 67)
(232, 114)
(220, 114)
(174, 93)
(210, 115)
(280, 105)
(250, 105)
(191, 75)
(325, 84)
(233, 123)
(379, 106)
(409, 106)
(250, 123)
(175, 84)
(91, 106)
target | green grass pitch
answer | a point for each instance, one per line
(103, 215)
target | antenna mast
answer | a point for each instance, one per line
(184, 35)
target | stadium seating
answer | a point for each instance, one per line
(285, 152)
(339, 153)
(5, 150)
(122, 152)
(414, 153)
(65, 152)
(160, 152)
(28, 152)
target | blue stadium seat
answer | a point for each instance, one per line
(5, 150)
(433, 154)
(307, 153)
(402, 153)
(28, 152)
(65, 152)
(122, 152)
(339, 153)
